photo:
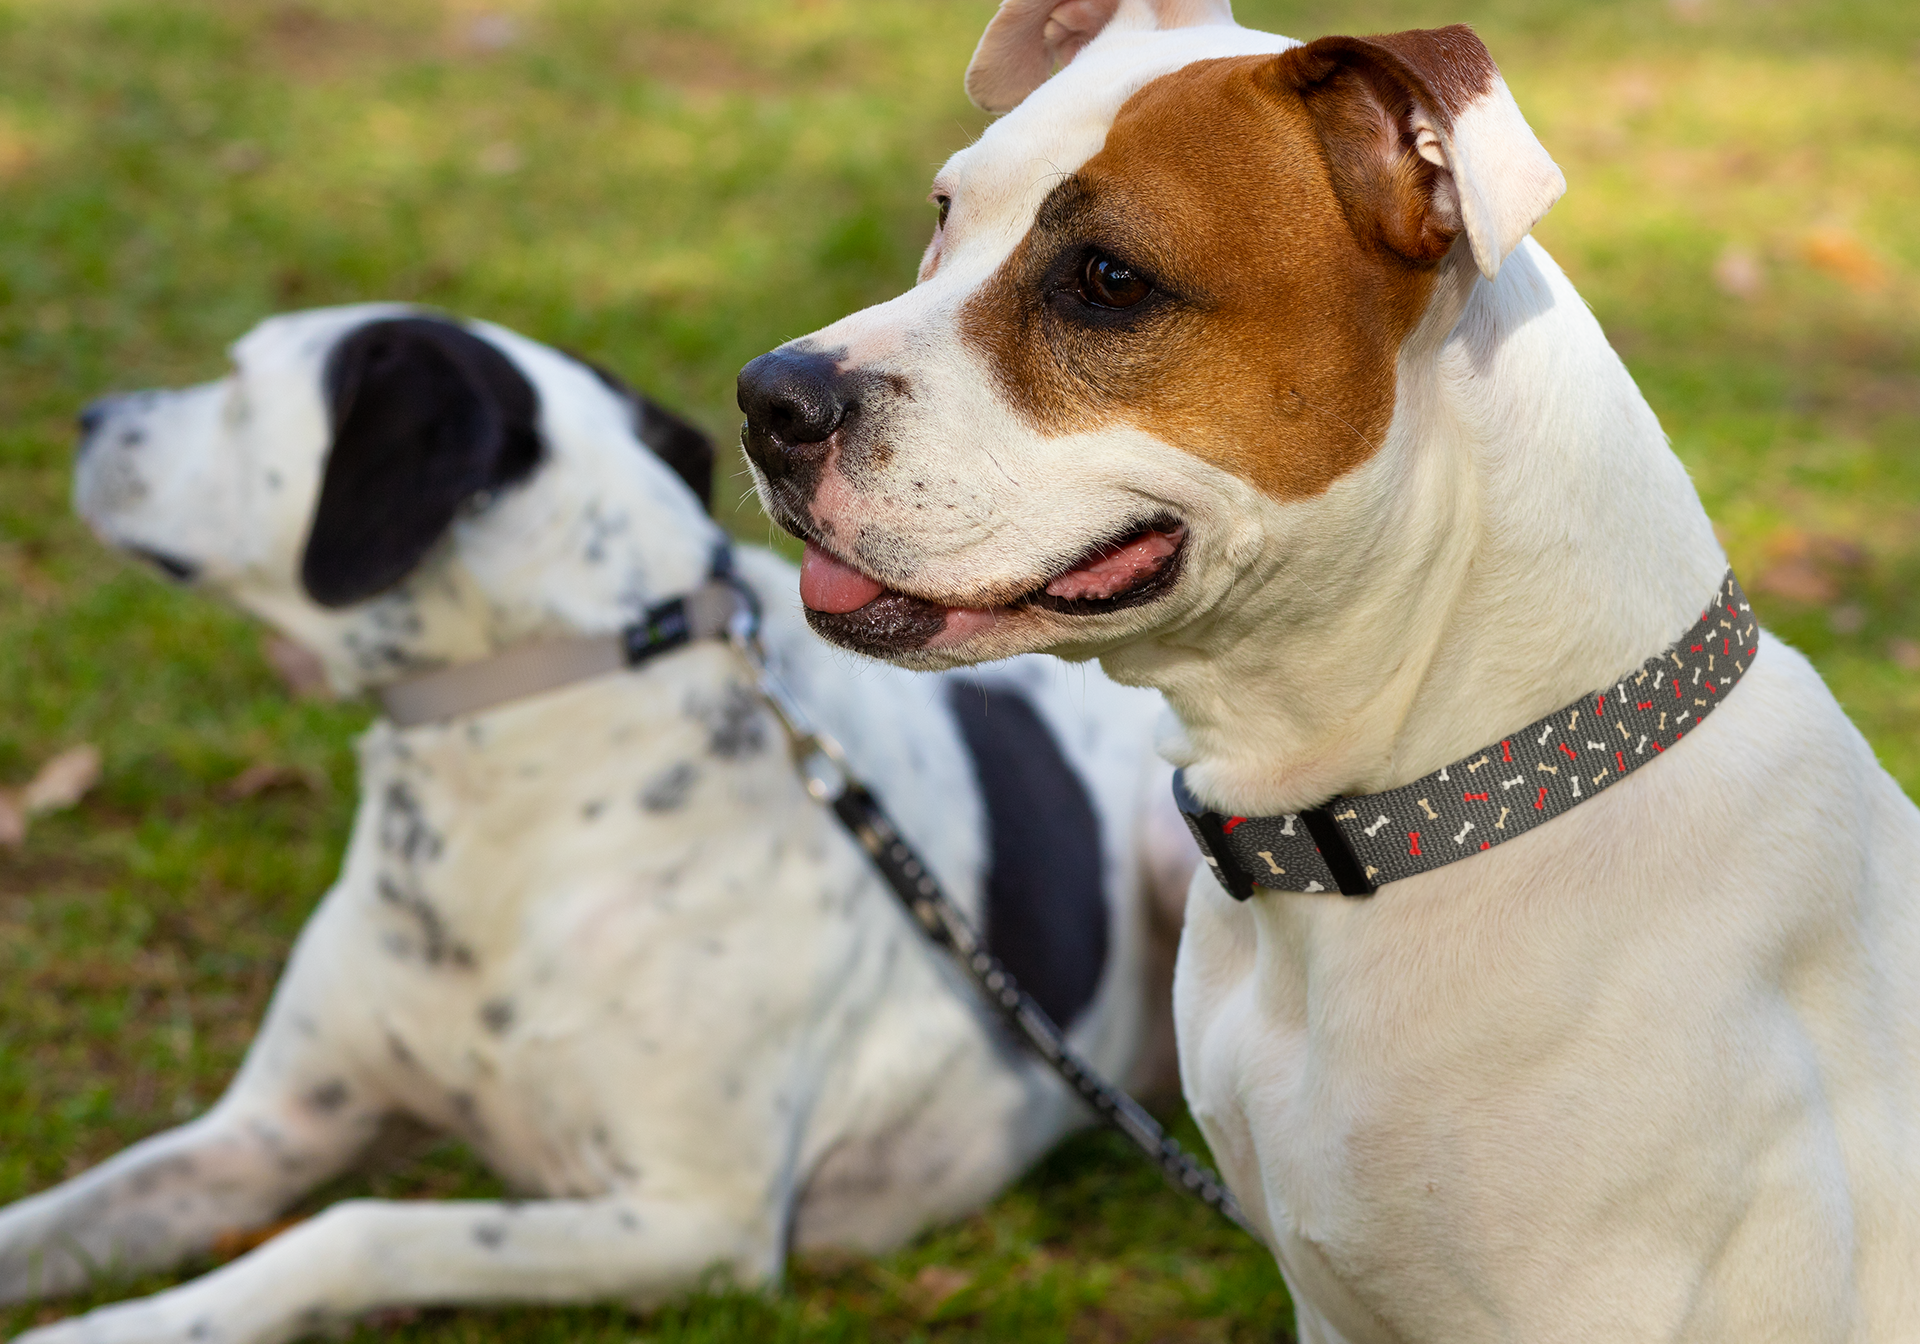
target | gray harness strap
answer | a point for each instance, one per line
(1357, 844)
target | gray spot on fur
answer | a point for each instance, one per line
(735, 726)
(467, 1110)
(496, 1015)
(489, 1235)
(149, 1179)
(601, 529)
(404, 831)
(668, 790)
(615, 1160)
(435, 944)
(329, 1097)
(592, 810)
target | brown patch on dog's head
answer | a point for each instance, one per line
(1235, 271)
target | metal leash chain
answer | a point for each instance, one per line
(917, 889)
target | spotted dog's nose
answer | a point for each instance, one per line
(92, 416)
(793, 402)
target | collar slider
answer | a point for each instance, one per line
(1349, 874)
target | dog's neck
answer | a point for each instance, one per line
(1524, 536)
(547, 561)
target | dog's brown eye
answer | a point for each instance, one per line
(946, 204)
(1108, 282)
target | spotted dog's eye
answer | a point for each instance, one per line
(1108, 282)
(946, 205)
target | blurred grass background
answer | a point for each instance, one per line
(673, 187)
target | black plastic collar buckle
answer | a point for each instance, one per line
(663, 628)
(667, 626)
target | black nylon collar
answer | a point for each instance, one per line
(1355, 845)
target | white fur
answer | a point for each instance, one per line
(696, 1028)
(1503, 180)
(1649, 1073)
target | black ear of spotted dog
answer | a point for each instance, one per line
(425, 415)
(681, 445)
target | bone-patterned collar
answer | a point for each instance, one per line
(1357, 844)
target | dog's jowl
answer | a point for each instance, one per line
(591, 924)
(1233, 365)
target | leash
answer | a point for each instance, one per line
(1356, 844)
(724, 607)
(829, 779)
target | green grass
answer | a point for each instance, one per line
(674, 187)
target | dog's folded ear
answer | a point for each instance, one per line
(679, 443)
(1425, 141)
(1026, 39)
(426, 416)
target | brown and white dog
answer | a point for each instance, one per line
(1231, 364)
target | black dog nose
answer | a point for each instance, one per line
(793, 402)
(94, 414)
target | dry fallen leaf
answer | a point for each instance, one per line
(62, 781)
(1797, 580)
(261, 776)
(1808, 566)
(934, 1284)
(236, 1242)
(300, 669)
(1844, 257)
(1738, 273)
(1849, 618)
(59, 784)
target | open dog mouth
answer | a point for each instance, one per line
(853, 608)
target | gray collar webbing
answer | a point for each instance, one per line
(1356, 844)
(708, 612)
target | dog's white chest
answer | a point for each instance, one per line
(544, 933)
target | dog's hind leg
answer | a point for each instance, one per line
(298, 1112)
(366, 1254)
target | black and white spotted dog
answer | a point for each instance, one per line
(601, 933)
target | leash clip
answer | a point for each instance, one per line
(822, 765)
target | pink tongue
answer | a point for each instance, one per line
(1117, 570)
(833, 586)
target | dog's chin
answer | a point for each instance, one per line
(1079, 603)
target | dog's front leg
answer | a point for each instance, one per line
(169, 1196)
(366, 1254)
